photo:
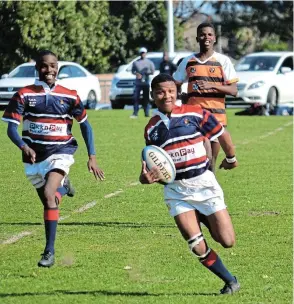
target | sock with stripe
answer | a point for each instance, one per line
(61, 191)
(50, 220)
(213, 262)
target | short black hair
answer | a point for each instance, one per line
(43, 53)
(161, 78)
(205, 24)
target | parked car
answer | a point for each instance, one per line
(70, 75)
(266, 78)
(122, 86)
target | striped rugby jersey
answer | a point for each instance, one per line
(182, 136)
(47, 118)
(217, 69)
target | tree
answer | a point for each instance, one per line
(100, 35)
(249, 25)
(144, 24)
(270, 23)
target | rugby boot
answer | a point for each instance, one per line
(231, 287)
(47, 259)
(70, 189)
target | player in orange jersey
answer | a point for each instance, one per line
(211, 76)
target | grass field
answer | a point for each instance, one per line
(125, 247)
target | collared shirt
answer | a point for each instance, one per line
(47, 118)
(182, 137)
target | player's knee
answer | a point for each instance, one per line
(228, 241)
(197, 245)
(49, 198)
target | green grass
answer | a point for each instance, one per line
(134, 229)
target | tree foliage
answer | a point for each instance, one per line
(144, 24)
(98, 34)
(249, 25)
(268, 24)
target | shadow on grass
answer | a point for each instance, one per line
(102, 224)
(104, 292)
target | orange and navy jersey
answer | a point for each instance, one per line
(217, 69)
(47, 116)
(182, 137)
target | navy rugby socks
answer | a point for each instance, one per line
(213, 262)
(51, 217)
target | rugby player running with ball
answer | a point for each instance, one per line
(195, 189)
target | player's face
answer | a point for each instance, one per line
(165, 96)
(206, 38)
(47, 69)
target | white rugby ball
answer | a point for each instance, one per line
(155, 156)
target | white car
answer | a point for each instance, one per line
(266, 78)
(122, 86)
(70, 75)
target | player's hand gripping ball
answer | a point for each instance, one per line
(155, 156)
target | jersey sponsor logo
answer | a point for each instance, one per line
(47, 129)
(182, 152)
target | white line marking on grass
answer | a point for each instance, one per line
(113, 193)
(85, 207)
(22, 234)
(62, 218)
(270, 133)
(16, 237)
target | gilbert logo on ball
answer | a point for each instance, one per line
(155, 156)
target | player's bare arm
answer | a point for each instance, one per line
(229, 89)
(93, 168)
(230, 162)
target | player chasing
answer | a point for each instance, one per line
(211, 76)
(47, 143)
(195, 188)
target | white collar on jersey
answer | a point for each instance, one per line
(163, 117)
(197, 58)
(44, 85)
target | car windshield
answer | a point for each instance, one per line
(24, 71)
(257, 63)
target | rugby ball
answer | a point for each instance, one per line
(155, 156)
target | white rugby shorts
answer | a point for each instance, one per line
(202, 193)
(36, 173)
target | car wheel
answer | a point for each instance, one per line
(117, 105)
(272, 100)
(91, 100)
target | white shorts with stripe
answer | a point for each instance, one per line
(202, 193)
(37, 172)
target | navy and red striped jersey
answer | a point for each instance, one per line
(47, 118)
(182, 136)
